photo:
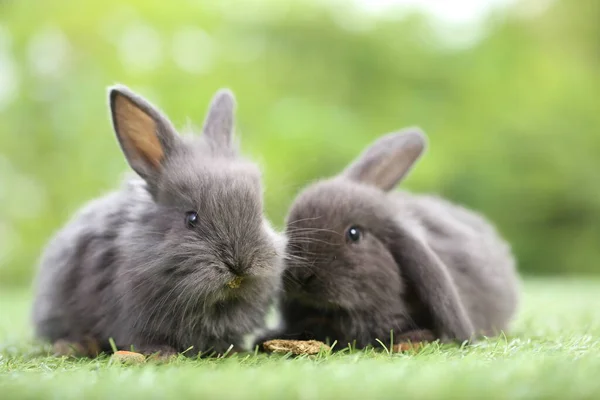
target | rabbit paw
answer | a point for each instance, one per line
(86, 347)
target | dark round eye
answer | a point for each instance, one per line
(353, 234)
(191, 218)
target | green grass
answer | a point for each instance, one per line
(552, 352)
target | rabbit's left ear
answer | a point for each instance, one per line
(219, 122)
(388, 160)
(433, 284)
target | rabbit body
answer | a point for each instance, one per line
(139, 267)
(364, 261)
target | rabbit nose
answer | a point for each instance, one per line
(236, 269)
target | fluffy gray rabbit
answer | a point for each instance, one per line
(365, 260)
(181, 257)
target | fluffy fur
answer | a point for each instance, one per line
(421, 267)
(129, 266)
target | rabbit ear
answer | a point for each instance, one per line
(218, 125)
(388, 160)
(432, 282)
(145, 135)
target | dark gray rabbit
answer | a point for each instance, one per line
(181, 257)
(365, 261)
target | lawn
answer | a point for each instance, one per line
(553, 351)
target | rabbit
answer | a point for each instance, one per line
(365, 262)
(179, 257)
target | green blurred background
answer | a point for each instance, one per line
(510, 101)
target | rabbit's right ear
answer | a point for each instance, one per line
(219, 122)
(388, 160)
(145, 135)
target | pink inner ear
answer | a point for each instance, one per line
(138, 132)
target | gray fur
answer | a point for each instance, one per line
(422, 264)
(127, 267)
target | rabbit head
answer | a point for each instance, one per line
(354, 262)
(202, 239)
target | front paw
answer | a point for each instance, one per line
(417, 336)
(157, 352)
(85, 347)
(413, 340)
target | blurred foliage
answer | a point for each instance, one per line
(513, 119)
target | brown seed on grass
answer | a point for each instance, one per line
(128, 357)
(297, 347)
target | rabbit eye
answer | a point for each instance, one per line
(353, 234)
(191, 218)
